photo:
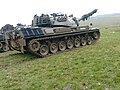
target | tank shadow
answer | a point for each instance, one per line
(26, 55)
(16, 59)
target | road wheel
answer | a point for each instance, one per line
(53, 47)
(62, 45)
(77, 42)
(34, 45)
(5, 49)
(70, 44)
(1, 45)
(83, 41)
(44, 49)
(89, 40)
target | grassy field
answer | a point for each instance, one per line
(95, 67)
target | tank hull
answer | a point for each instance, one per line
(44, 41)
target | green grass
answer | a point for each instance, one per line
(95, 67)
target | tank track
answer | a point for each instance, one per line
(50, 45)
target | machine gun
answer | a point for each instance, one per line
(56, 14)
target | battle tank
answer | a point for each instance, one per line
(4, 29)
(51, 33)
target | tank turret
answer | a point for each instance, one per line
(59, 20)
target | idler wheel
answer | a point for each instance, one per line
(53, 47)
(70, 44)
(89, 40)
(44, 50)
(34, 45)
(83, 41)
(77, 42)
(96, 35)
(62, 45)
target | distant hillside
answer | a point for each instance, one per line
(106, 20)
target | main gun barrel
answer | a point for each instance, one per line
(86, 16)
